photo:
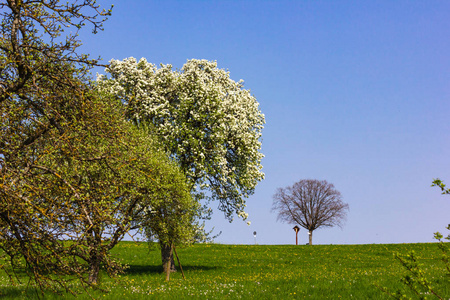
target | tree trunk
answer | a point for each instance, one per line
(94, 269)
(94, 258)
(310, 237)
(167, 258)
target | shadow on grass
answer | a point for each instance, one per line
(17, 292)
(146, 269)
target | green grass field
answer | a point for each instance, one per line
(216, 271)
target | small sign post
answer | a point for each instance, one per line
(296, 229)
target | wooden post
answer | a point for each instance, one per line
(296, 229)
(179, 263)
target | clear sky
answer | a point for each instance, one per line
(354, 92)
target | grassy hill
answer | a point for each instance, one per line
(216, 271)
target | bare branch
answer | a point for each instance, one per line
(311, 204)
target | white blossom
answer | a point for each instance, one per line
(209, 123)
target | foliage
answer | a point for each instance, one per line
(437, 182)
(169, 216)
(32, 45)
(84, 186)
(416, 279)
(73, 172)
(42, 96)
(311, 204)
(208, 123)
(260, 272)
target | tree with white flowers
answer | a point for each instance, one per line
(207, 122)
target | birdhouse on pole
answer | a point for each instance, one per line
(296, 229)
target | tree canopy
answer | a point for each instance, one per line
(208, 123)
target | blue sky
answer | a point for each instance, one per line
(354, 92)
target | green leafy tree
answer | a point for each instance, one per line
(170, 216)
(73, 196)
(73, 172)
(207, 122)
(41, 91)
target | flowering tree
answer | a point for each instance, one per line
(208, 123)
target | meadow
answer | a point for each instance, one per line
(215, 271)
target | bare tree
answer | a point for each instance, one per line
(310, 204)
